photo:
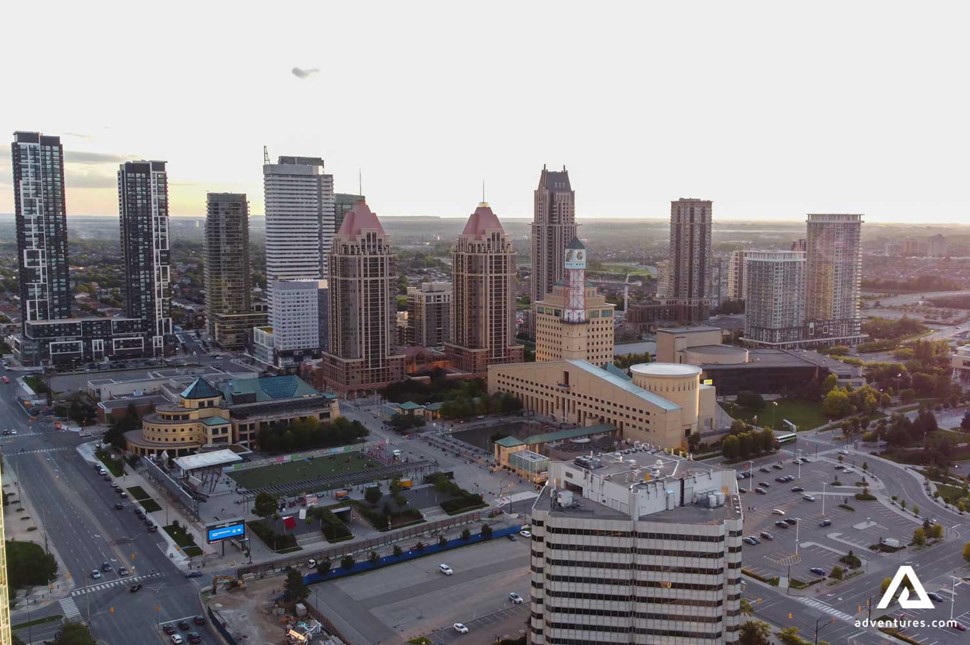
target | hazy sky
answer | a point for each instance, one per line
(771, 109)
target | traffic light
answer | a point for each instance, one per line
(111, 610)
(789, 616)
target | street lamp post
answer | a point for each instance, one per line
(824, 484)
(774, 406)
(953, 594)
(798, 523)
(750, 475)
(831, 620)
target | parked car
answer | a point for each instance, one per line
(960, 627)
(511, 537)
(764, 470)
(750, 539)
(199, 620)
(761, 491)
(767, 536)
(460, 628)
(776, 466)
(123, 571)
(106, 566)
(935, 597)
(445, 569)
(526, 534)
(781, 480)
(777, 511)
(184, 625)
(797, 489)
(119, 506)
(515, 598)
(192, 574)
(791, 520)
(780, 524)
(819, 571)
(194, 637)
(808, 498)
(177, 640)
(764, 485)
(168, 628)
(96, 574)
(825, 523)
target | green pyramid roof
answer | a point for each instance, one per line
(200, 389)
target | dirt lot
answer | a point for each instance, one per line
(248, 612)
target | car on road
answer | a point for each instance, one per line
(848, 471)
(791, 520)
(193, 574)
(515, 598)
(750, 539)
(123, 571)
(797, 489)
(780, 524)
(777, 511)
(119, 506)
(767, 536)
(194, 637)
(135, 587)
(184, 625)
(168, 628)
(96, 574)
(140, 513)
(526, 534)
(819, 571)
(839, 467)
(761, 491)
(825, 523)
(843, 451)
(935, 597)
(199, 620)
(808, 498)
(106, 566)
(776, 466)
(460, 628)
(445, 569)
(177, 640)
(123, 494)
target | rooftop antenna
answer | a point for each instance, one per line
(360, 182)
(265, 155)
(483, 191)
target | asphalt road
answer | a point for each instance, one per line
(76, 508)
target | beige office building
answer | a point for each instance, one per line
(483, 296)
(574, 321)
(362, 356)
(663, 404)
(638, 548)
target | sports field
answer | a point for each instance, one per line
(297, 471)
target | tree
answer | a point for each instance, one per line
(919, 536)
(966, 551)
(965, 423)
(265, 505)
(347, 562)
(836, 404)
(442, 540)
(75, 634)
(884, 585)
(466, 534)
(915, 510)
(324, 566)
(397, 549)
(373, 557)
(372, 495)
(936, 531)
(750, 400)
(747, 609)
(295, 586)
(731, 447)
(754, 632)
(486, 532)
(790, 636)
(837, 573)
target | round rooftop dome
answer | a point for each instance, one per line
(665, 369)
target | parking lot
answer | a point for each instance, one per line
(783, 513)
(416, 599)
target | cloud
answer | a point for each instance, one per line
(304, 73)
(91, 158)
(89, 178)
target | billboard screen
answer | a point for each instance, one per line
(225, 530)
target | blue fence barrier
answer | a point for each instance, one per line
(388, 560)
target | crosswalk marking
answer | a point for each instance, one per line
(101, 586)
(70, 609)
(828, 609)
(39, 450)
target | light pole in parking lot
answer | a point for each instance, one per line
(953, 596)
(824, 484)
(750, 475)
(798, 523)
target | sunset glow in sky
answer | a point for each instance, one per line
(772, 110)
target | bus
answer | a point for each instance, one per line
(781, 439)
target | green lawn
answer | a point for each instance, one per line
(804, 414)
(298, 471)
(37, 621)
(115, 466)
(184, 540)
(139, 495)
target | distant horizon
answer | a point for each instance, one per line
(579, 218)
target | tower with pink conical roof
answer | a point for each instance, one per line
(483, 296)
(362, 356)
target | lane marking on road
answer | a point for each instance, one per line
(101, 586)
(70, 609)
(828, 609)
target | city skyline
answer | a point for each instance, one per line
(786, 126)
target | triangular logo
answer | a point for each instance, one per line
(906, 572)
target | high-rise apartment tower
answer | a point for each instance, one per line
(483, 296)
(833, 276)
(691, 280)
(553, 227)
(41, 220)
(143, 206)
(775, 297)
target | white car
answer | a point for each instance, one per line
(777, 511)
(516, 598)
(445, 569)
(460, 628)
(844, 451)
(177, 639)
(808, 498)
(526, 534)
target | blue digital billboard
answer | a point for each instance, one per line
(225, 530)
